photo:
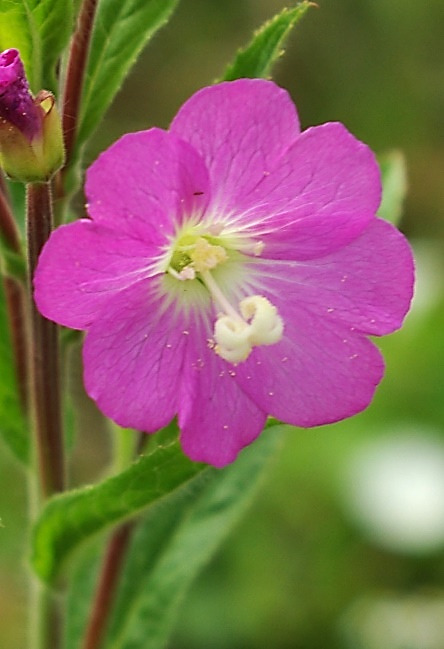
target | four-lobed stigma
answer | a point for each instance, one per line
(260, 324)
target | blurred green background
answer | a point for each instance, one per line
(344, 548)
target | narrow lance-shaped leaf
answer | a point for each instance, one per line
(177, 540)
(53, 20)
(16, 31)
(121, 30)
(258, 57)
(80, 591)
(73, 517)
(151, 538)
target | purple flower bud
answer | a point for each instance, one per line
(16, 102)
(31, 142)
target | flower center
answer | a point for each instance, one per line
(236, 331)
(195, 255)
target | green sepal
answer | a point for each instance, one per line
(33, 160)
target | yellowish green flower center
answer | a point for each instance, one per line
(256, 322)
(196, 254)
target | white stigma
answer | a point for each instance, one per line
(266, 326)
(235, 337)
(232, 338)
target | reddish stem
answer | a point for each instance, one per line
(108, 582)
(45, 384)
(107, 586)
(75, 73)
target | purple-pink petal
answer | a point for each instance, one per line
(145, 183)
(367, 285)
(133, 358)
(217, 419)
(82, 266)
(319, 373)
(320, 195)
(239, 129)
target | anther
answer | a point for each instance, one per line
(205, 255)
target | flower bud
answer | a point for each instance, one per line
(31, 140)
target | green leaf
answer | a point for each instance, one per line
(156, 527)
(40, 29)
(120, 32)
(13, 425)
(177, 539)
(16, 30)
(73, 517)
(80, 591)
(257, 59)
(54, 22)
(394, 186)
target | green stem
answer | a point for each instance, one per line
(46, 618)
(45, 384)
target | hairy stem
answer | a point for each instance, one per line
(75, 73)
(107, 585)
(46, 409)
(45, 384)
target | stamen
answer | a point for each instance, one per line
(173, 272)
(187, 273)
(205, 255)
(235, 334)
(219, 297)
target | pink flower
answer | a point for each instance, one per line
(232, 268)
